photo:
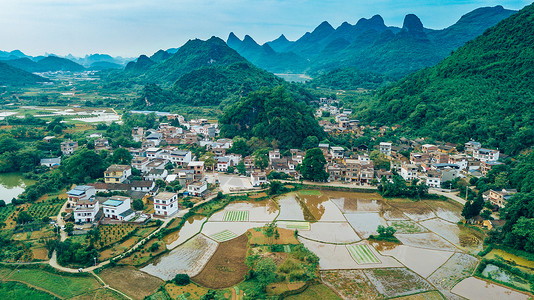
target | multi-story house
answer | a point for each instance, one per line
(86, 211)
(81, 192)
(409, 172)
(117, 173)
(118, 208)
(197, 188)
(68, 147)
(165, 204)
(385, 148)
(500, 198)
(486, 154)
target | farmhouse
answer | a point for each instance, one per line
(118, 208)
(165, 204)
(117, 173)
(197, 188)
(86, 211)
(81, 192)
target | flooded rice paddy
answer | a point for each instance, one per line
(434, 253)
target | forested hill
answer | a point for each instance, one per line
(271, 115)
(16, 77)
(201, 73)
(484, 91)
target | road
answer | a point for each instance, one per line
(451, 196)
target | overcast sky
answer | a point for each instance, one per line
(133, 27)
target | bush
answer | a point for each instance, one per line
(154, 247)
(138, 204)
(181, 279)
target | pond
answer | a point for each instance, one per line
(12, 185)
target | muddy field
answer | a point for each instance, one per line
(227, 265)
(478, 289)
(365, 224)
(416, 211)
(191, 227)
(258, 211)
(350, 284)
(134, 283)
(395, 282)
(187, 258)
(448, 211)
(422, 261)
(458, 267)
(428, 240)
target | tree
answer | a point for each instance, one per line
(261, 158)
(230, 170)
(181, 279)
(472, 208)
(2, 203)
(385, 232)
(154, 247)
(138, 204)
(83, 163)
(121, 156)
(313, 165)
(310, 142)
(241, 168)
(265, 271)
(24, 217)
(69, 228)
(209, 161)
(486, 214)
(276, 187)
(240, 146)
(379, 159)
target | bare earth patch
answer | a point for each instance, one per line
(350, 284)
(134, 283)
(227, 265)
(395, 282)
(478, 289)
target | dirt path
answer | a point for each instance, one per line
(105, 285)
(451, 196)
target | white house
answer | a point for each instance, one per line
(408, 172)
(165, 204)
(142, 186)
(197, 188)
(156, 174)
(385, 148)
(181, 157)
(258, 178)
(275, 154)
(118, 208)
(486, 154)
(337, 152)
(153, 152)
(222, 164)
(51, 162)
(86, 210)
(433, 178)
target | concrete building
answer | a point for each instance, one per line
(197, 188)
(165, 204)
(86, 211)
(117, 173)
(385, 148)
(118, 208)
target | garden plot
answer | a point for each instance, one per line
(462, 237)
(259, 211)
(405, 226)
(421, 261)
(416, 211)
(337, 233)
(432, 295)
(350, 284)
(475, 289)
(291, 209)
(365, 224)
(362, 254)
(321, 210)
(236, 216)
(428, 240)
(498, 274)
(458, 267)
(188, 258)
(395, 282)
(445, 210)
(392, 214)
(190, 228)
(337, 257)
(238, 228)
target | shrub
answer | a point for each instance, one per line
(181, 279)
(154, 247)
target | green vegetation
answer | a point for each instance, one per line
(313, 165)
(482, 91)
(13, 76)
(399, 188)
(15, 290)
(271, 115)
(181, 279)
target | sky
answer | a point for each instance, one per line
(129, 28)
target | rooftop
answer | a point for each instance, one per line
(164, 195)
(113, 202)
(118, 168)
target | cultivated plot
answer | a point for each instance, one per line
(188, 258)
(294, 225)
(457, 268)
(236, 216)
(461, 236)
(223, 236)
(362, 254)
(350, 284)
(395, 282)
(322, 209)
(405, 226)
(134, 283)
(478, 289)
(331, 233)
(422, 261)
(445, 210)
(238, 228)
(416, 211)
(428, 240)
(337, 257)
(258, 211)
(291, 209)
(365, 224)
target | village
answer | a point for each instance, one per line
(163, 173)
